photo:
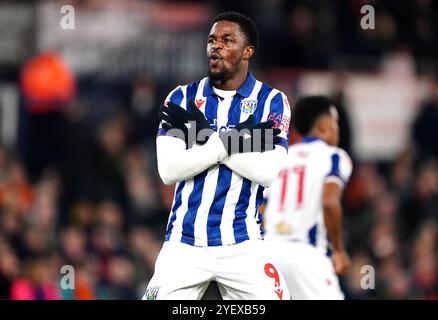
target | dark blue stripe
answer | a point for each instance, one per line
(176, 205)
(177, 96)
(277, 105)
(247, 87)
(258, 215)
(239, 225)
(259, 198)
(234, 111)
(261, 99)
(335, 167)
(161, 132)
(211, 106)
(312, 235)
(192, 88)
(277, 108)
(260, 223)
(216, 209)
(307, 139)
(284, 143)
(208, 89)
(188, 230)
(328, 253)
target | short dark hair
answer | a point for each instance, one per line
(307, 110)
(247, 25)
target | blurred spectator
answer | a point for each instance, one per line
(15, 191)
(345, 132)
(9, 268)
(47, 85)
(423, 201)
(73, 243)
(395, 281)
(364, 188)
(36, 282)
(107, 179)
(144, 248)
(301, 39)
(352, 282)
(424, 126)
(384, 242)
(143, 197)
(425, 259)
(121, 279)
(145, 107)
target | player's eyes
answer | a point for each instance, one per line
(226, 40)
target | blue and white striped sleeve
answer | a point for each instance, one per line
(340, 168)
(176, 96)
(280, 113)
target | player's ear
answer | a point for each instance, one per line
(248, 52)
(324, 125)
(318, 127)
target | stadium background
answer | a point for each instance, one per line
(78, 177)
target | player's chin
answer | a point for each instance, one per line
(219, 74)
(215, 70)
(215, 74)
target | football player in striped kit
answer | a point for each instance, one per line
(240, 128)
(303, 215)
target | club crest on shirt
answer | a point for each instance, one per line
(283, 228)
(152, 293)
(248, 105)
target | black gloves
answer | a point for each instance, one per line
(251, 137)
(245, 137)
(198, 129)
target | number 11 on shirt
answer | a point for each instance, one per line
(300, 172)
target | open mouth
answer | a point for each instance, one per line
(214, 57)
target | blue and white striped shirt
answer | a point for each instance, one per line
(218, 206)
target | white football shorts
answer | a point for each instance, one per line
(309, 273)
(242, 271)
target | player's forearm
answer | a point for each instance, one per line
(259, 167)
(333, 223)
(176, 163)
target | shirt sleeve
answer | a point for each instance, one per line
(280, 113)
(340, 168)
(177, 97)
(176, 163)
(259, 167)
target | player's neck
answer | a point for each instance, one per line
(317, 134)
(233, 83)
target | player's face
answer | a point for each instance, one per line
(333, 127)
(227, 50)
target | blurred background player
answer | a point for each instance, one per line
(303, 217)
(213, 231)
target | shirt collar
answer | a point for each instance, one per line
(244, 90)
(307, 139)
